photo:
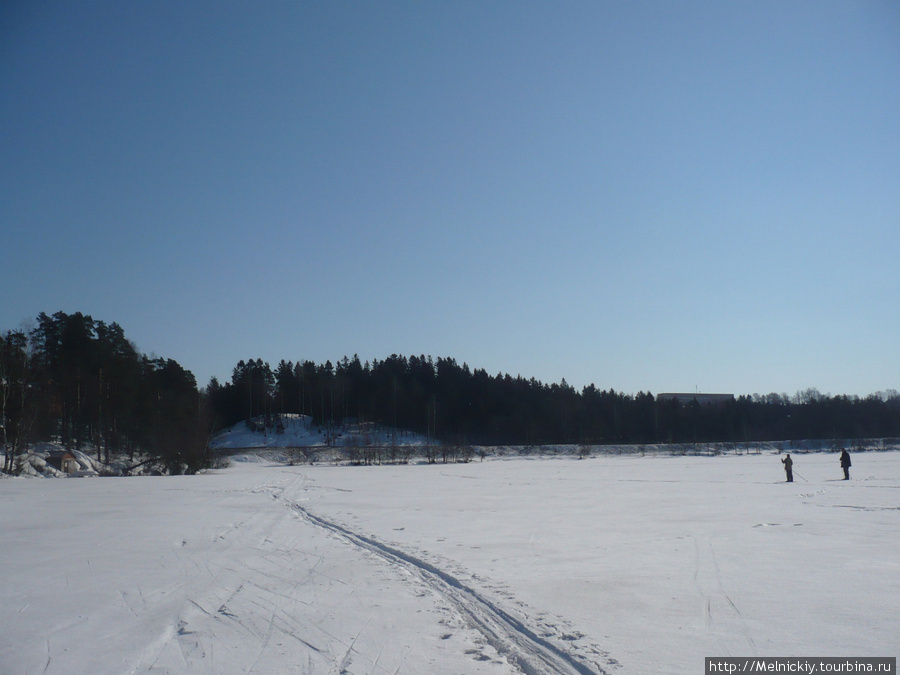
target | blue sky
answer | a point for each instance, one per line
(647, 196)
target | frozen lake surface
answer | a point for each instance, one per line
(612, 564)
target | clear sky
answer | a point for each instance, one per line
(647, 196)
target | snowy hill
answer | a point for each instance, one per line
(299, 431)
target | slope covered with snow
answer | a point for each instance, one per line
(293, 431)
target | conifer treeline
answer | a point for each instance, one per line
(82, 383)
(450, 402)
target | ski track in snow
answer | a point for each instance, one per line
(251, 601)
(719, 609)
(264, 571)
(522, 646)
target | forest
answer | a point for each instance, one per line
(449, 402)
(82, 383)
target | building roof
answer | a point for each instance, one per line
(702, 399)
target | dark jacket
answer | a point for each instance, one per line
(845, 460)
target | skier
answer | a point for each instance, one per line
(788, 468)
(845, 463)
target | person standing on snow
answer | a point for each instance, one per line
(845, 463)
(788, 468)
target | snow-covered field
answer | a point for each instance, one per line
(612, 564)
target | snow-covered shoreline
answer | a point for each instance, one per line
(296, 439)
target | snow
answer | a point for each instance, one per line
(611, 564)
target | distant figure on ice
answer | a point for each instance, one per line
(788, 468)
(845, 463)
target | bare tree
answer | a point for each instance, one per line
(16, 415)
